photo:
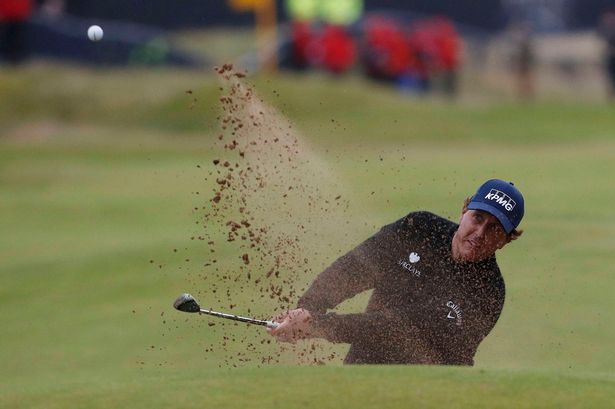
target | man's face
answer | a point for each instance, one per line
(479, 235)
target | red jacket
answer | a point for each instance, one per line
(386, 51)
(15, 10)
(338, 49)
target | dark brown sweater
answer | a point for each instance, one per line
(426, 308)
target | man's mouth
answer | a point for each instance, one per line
(474, 244)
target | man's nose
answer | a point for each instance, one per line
(481, 233)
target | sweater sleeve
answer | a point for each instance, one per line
(354, 272)
(348, 328)
(449, 341)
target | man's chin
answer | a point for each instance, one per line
(472, 257)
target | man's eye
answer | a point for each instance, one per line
(495, 227)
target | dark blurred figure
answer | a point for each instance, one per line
(302, 14)
(385, 51)
(447, 45)
(607, 31)
(436, 46)
(14, 15)
(301, 36)
(524, 60)
(417, 57)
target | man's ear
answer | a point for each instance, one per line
(464, 209)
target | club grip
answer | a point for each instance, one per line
(272, 325)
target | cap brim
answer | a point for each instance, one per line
(508, 227)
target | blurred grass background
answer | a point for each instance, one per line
(98, 174)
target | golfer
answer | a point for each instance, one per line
(437, 288)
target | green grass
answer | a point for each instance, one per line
(332, 387)
(98, 181)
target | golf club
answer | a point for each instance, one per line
(187, 303)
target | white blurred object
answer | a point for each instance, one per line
(95, 33)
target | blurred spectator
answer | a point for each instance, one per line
(448, 49)
(319, 35)
(326, 47)
(14, 15)
(338, 46)
(423, 48)
(301, 35)
(302, 14)
(412, 56)
(385, 52)
(524, 60)
(437, 48)
(435, 45)
(334, 50)
(607, 31)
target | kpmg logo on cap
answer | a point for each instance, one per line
(501, 198)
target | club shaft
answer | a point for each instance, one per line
(237, 318)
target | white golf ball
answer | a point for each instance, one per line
(95, 33)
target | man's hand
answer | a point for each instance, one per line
(293, 325)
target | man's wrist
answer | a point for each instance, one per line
(319, 325)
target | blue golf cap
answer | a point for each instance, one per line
(501, 199)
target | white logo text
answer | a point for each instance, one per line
(413, 258)
(501, 198)
(455, 312)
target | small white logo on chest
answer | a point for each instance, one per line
(455, 312)
(413, 258)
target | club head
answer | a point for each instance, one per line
(186, 303)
